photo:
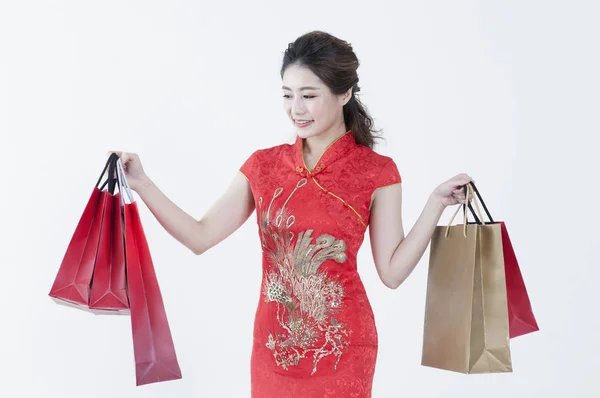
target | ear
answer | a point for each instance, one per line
(346, 96)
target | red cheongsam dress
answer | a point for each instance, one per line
(314, 330)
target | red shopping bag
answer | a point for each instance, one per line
(521, 319)
(109, 284)
(72, 282)
(153, 347)
(520, 315)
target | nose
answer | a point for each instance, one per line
(297, 106)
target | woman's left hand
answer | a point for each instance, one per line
(452, 192)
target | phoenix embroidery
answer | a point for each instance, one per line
(306, 298)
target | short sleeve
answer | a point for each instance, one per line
(389, 175)
(249, 166)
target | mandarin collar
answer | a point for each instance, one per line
(333, 152)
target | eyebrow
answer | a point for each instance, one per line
(302, 88)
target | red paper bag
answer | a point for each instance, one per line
(153, 347)
(109, 286)
(520, 314)
(72, 282)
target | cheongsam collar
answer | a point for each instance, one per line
(333, 152)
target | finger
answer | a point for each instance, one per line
(464, 182)
(125, 159)
(460, 195)
(460, 181)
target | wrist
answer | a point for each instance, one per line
(143, 185)
(436, 203)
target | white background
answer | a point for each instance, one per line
(507, 91)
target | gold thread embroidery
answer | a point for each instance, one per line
(320, 168)
(343, 201)
(307, 299)
(319, 159)
(382, 186)
(389, 185)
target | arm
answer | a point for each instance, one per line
(395, 255)
(223, 218)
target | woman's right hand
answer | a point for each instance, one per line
(133, 169)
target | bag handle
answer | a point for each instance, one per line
(110, 159)
(482, 203)
(111, 179)
(469, 190)
(124, 189)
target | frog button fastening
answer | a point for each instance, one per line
(320, 167)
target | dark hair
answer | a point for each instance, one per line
(334, 62)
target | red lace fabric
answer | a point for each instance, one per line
(314, 330)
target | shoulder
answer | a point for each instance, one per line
(382, 168)
(269, 153)
(373, 158)
(272, 151)
(263, 158)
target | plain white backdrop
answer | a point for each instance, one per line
(506, 91)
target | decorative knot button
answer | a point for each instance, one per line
(320, 167)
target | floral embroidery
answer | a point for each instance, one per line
(307, 299)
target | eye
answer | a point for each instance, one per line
(305, 96)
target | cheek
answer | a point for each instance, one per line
(316, 110)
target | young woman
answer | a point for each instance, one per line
(314, 330)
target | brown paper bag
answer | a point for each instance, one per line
(466, 315)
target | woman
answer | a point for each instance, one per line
(314, 331)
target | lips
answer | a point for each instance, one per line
(302, 123)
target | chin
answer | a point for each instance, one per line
(306, 133)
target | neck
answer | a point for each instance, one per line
(315, 146)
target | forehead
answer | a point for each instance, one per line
(296, 77)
